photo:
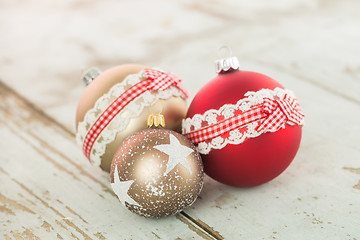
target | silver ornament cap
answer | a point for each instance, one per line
(227, 64)
(90, 75)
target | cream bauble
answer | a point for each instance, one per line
(116, 104)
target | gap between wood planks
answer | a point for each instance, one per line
(304, 78)
(196, 225)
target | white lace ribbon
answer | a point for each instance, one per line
(234, 123)
(122, 119)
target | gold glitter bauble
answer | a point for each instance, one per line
(103, 90)
(156, 173)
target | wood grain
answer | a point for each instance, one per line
(49, 191)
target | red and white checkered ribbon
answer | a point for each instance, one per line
(226, 125)
(155, 80)
(272, 114)
(280, 112)
(162, 81)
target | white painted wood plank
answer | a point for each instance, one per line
(47, 46)
(48, 191)
(316, 41)
(310, 46)
(313, 39)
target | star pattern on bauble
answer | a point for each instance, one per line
(177, 154)
(121, 188)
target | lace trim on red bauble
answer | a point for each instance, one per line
(258, 112)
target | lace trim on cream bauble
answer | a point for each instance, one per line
(122, 119)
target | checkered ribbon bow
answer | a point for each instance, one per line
(280, 111)
(259, 112)
(272, 114)
(162, 81)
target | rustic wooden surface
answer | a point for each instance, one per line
(49, 191)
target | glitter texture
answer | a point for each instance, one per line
(166, 171)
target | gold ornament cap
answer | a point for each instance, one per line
(156, 120)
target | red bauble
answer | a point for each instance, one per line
(256, 160)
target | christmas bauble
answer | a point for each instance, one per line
(156, 173)
(246, 126)
(116, 104)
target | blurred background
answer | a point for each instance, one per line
(45, 46)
